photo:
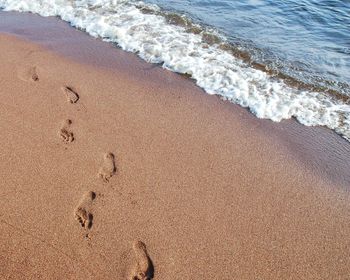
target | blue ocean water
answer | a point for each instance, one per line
(306, 39)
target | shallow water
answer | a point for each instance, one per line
(306, 39)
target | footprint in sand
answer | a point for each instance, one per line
(28, 74)
(65, 133)
(108, 168)
(143, 269)
(71, 94)
(83, 211)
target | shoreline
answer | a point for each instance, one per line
(59, 37)
(210, 189)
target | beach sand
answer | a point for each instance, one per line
(112, 168)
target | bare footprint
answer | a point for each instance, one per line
(83, 211)
(71, 94)
(29, 74)
(65, 133)
(143, 269)
(108, 168)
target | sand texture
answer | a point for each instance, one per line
(112, 168)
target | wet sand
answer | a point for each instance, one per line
(112, 168)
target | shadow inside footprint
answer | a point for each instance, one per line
(84, 218)
(71, 94)
(65, 133)
(83, 211)
(28, 74)
(108, 168)
(144, 269)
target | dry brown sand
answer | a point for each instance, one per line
(112, 168)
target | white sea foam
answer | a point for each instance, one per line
(213, 69)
